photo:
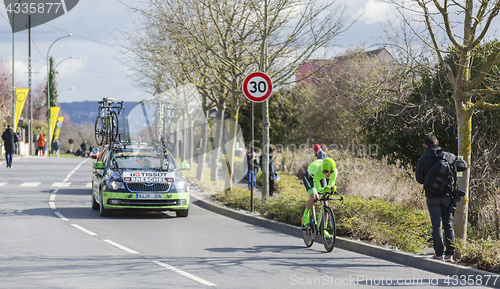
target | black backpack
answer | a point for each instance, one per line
(437, 177)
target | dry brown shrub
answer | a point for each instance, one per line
(359, 175)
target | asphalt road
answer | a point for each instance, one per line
(51, 238)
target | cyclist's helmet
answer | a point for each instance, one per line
(328, 165)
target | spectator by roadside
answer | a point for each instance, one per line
(252, 158)
(83, 146)
(40, 144)
(318, 152)
(273, 174)
(10, 139)
(56, 146)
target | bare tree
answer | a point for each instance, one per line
(5, 93)
(470, 93)
(230, 39)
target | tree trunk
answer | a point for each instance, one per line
(464, 123)
(203, 145)
(190, 143)
(203, 150)
(231, 143)
(217, 142)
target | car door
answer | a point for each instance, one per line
(99, 173)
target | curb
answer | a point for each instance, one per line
(456, 273)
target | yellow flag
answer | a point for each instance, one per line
(21, 95)
(54, 113)
(58, 127)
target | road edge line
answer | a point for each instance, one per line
(392, 255)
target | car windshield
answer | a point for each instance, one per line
(141, 160)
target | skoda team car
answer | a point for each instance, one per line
(132, 176)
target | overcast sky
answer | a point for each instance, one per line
(95, 72)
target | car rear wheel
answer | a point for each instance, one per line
(182, 213)
(95, 205)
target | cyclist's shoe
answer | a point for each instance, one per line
(436, 257)
(449, 258)
(326, 234)
(305, 219)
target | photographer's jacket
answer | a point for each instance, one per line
(434, 153)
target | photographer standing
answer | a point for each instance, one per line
(437, 171)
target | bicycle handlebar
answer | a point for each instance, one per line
(325, 196)
(108, 103)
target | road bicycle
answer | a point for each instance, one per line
(326, 222)
(106, 123)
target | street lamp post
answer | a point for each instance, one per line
(49, 143)
(13, 85)
(72, 56)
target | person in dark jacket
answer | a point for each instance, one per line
(439, 205)
(273, 174)
(10, 139)
(83, 146)
(319, 153)
(252, 157)
(56, 146)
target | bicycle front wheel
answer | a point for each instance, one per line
(307, 233)
(328, 229)
(99, 130)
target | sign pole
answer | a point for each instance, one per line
(257, 87)
(252, 173)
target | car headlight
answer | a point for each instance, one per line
(114, 185)
(180, 186)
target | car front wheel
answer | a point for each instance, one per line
(182, 213)
(102, 211)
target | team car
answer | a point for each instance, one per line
(138, 177)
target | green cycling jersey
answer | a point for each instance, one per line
(315, 171)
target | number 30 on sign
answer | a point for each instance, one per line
(257, 86)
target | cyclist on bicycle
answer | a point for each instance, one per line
(320, 176)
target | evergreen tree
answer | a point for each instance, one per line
(52, 82)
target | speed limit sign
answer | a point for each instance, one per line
(257, 86)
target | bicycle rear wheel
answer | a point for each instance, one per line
(328, 225)
(308, 233)
(113, 117)
(99, 130)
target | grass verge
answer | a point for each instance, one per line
(374, 220)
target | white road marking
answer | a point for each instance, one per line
(65, 180)
(121, 247)
(30, 184)
(185, 274)
(3, 184)
(84, 230)
(60, 185)
(52, 197)
(52, 205)
(89, 185)
(61, 216)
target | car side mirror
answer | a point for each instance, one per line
(97, 165)
(184, 166)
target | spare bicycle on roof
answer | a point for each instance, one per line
(106, 123)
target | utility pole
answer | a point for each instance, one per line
(30, 103)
